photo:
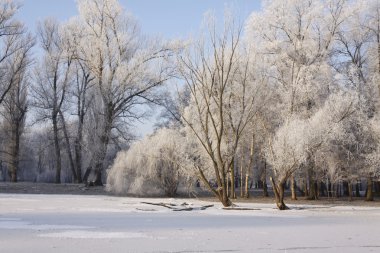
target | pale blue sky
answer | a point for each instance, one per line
(168, 18)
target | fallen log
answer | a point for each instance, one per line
(174, 207)
(167, 205)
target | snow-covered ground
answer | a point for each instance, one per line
(69, 224)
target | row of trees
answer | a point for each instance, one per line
(292, 95)
(82, 91)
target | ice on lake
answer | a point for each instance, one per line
(66, 223)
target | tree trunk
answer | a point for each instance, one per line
(15, 151)
(293, 188)
(241, 181)
(305, 189)
(246, 195)
(68, 148)
(369, 196)
(104, 141)
(81, 111)
(98, 172)
(279, 191)
(57, 149)
(350, 190)
(87, 174)
(264, 179)
(357, 190)
(228, 186)
(312, 190)
(250, 167)
(78, 158)
(377, 187)
(233, 192)
(223, 192)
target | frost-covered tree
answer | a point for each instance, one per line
(15, 44)
(371, 168)
(80, 96)
(16, 68)
(295, 39)
(295, 140)
(126, 67)
(357, 62)
(15, 49)
(15, 107)
(224, 98)
(155, 162)
(52, 79)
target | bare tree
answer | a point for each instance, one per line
(126, 68)
(52, 80)
(15, 106)
(297, 138)
(296, 38)
(83, 100)
(223, 99)
(14, 45)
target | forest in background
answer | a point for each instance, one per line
(290, 95)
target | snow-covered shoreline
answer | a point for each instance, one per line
(72, 223)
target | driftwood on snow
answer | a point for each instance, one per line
(174, 207)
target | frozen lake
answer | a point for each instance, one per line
(65, 223)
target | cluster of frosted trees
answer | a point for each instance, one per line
(292, 95)
(68, 108)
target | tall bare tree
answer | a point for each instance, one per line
(15, 105)
(223, 96)
(13, 45)
(53, 75)
(83, 84)
(125, 65)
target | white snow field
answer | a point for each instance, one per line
(70, 224)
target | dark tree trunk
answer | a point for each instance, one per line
(305, 189)
(57, 149)
(104, 141)
(279, 191)
(293, 188)
(246, 195)
(83, 86)
(369, 196)
(264, 178)
(223, 192)
(377, 187)
(232, 169)
(350, 191)
(87, 174)
(15, 152)
(68, 148)
(98, 173)
(241, 181)
(323, 189)
(357, 190)
(312, 183)
(78, 158)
